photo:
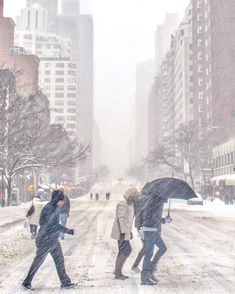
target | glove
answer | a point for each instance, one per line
(71, 232)
(122, 237)
(141, 233)
(168, 220)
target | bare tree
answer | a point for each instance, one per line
(186, 155)
(27, 140)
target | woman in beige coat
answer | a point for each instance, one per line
(122, 230)
(35, 216)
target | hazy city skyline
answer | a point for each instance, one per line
(124, 36)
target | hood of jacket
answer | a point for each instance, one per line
(56, 196)
(131, 194)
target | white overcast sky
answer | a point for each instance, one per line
(124, 35)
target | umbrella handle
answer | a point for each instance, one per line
(169, 208)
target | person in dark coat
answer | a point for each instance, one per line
(64, 211)
(47, 241)
(97, 196)
(91, 196)
(138, 207)
(151, 220)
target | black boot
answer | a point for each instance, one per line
(69, 286)
(147, 279)
(27, 286)
(118, 268)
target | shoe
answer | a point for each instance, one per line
(125, 277)
(152, 277)
(69, 286)
(148, 282)
(27, 286)
(136, 270)
(120, 277)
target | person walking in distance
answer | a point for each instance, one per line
(64, 211)
(34, 212)
(47, 242)
(122, 230)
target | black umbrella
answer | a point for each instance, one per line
(166, 188)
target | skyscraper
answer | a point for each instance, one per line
(144, 80)
(70, 8)
(86, 82)
(50, 5)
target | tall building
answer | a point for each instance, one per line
(214, 71)
(33, 17)
(163, 38)
(70, 8)
(12, 57)
(86, 83)
(144, 80)
(50, 5)
(183, 76)
(58, 73)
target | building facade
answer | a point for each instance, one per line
(183, 75)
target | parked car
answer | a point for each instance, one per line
(196, 201)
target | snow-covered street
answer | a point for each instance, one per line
(200, 257)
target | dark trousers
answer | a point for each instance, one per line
(140, 256)
(150, 240)
(56, 252)
(124, 248)
(33, 229)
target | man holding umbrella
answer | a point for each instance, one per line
(158, 191)
(152, 220)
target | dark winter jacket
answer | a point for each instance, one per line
(138, 206)
(50, 227)
(65, 209)
(151, 215)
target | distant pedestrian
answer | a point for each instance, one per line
(91, 196)
(34, 211)
(64, 211)
(97, 196)
(108, 196)
(122, 230)
(47, 241)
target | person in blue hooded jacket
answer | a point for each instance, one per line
(151, 221)
(47, 241)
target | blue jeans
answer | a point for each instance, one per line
(150, 240)
(63, 220)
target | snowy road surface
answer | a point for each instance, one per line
(200, 257)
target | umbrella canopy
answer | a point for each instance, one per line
(169, 188)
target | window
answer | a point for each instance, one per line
(47, 72)
(71, 110)
(71, 126)
(59, 95)
(59, 65)
(72, 72)
(71, 88)
(46, 87)
(71, 103)
(59, 103)
(59, 80)
(47, 65)
(59, 110)
(71, 118)
(71, 95)
(200, 29)
(71, 65)
(72, 80)
(59, 72)
(47, 80)
(59, 119)
(200, 82)
(60, 88)
(28, 37)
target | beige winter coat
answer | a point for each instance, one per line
(124, 217)
(35, 217)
